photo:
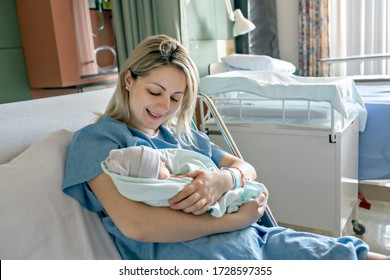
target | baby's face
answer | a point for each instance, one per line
(163, 173)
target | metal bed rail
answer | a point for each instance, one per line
(207, 115)
(355, 58)
(268, 219)
(362, 59)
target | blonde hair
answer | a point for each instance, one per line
(153, 52)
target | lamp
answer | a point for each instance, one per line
(241, 24)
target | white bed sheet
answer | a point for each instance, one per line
(339, 92)
(280, 86)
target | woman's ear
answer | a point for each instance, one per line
(128, 78)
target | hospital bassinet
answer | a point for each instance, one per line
(301, 135)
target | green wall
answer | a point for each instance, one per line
(207, 22)
(13, 76)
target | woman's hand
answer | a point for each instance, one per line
(253, 210)
(202, 192)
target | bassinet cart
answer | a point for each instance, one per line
(301, 135)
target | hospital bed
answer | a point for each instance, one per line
(302, 137)
(374, 141)
(37, 220)
(374, 148)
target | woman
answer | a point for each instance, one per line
(152, 106)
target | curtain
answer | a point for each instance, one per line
(368, 23)
(313, 37)
(264, 38)
(134, 20)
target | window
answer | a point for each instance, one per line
(359, 33)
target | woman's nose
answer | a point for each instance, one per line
(164, 103)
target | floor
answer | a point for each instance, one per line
(376, 222)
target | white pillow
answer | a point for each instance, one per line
(253, 62)
(39, 221)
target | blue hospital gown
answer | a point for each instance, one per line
(91, 145)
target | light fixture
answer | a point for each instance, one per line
(241, 24)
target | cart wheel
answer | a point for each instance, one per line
(358, 228)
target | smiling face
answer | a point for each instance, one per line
(154, 97)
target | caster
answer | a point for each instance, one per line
(358, 228)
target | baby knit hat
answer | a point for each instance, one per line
(137, 161)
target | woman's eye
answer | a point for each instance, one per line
(175, 99)
(154, 93)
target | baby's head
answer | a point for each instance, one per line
(138, 161)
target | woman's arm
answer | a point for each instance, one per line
(208, 187)
(158, 224)
(247, 169)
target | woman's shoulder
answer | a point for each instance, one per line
(106, 122)
(108, 132)
(105, 126)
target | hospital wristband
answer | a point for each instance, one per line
(235, 176)
(243, 178)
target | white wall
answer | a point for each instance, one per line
(287, 13)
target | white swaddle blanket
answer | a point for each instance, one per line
(156, 192)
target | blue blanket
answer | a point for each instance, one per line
(374, 142)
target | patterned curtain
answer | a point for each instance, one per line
(313, 38)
